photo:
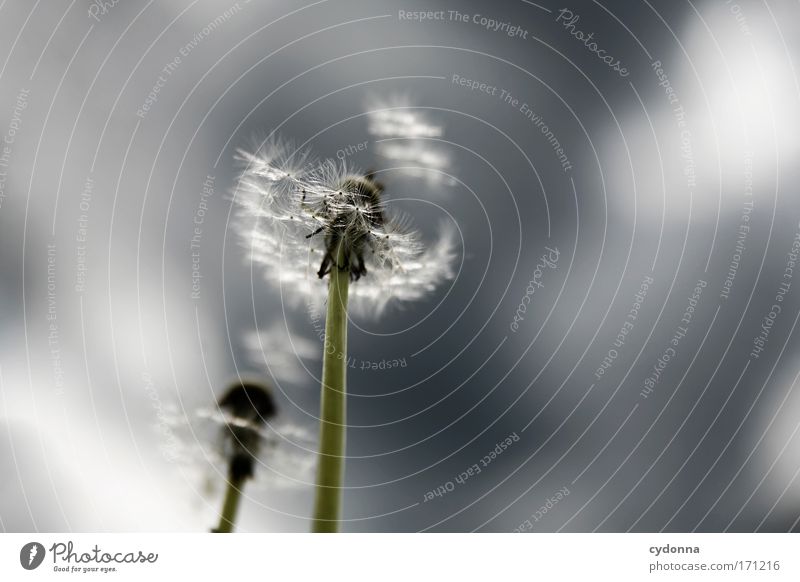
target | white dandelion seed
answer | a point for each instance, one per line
(284, 354)
(406, 137)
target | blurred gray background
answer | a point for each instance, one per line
(679, 172)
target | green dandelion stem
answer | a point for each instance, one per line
(230, 506)
(330, 470)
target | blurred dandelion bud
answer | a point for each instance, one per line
(247, 406)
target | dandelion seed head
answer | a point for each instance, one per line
(295, 221)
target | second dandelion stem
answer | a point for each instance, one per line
(330, 470)
(230, 505)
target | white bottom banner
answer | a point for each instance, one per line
(416, 557)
